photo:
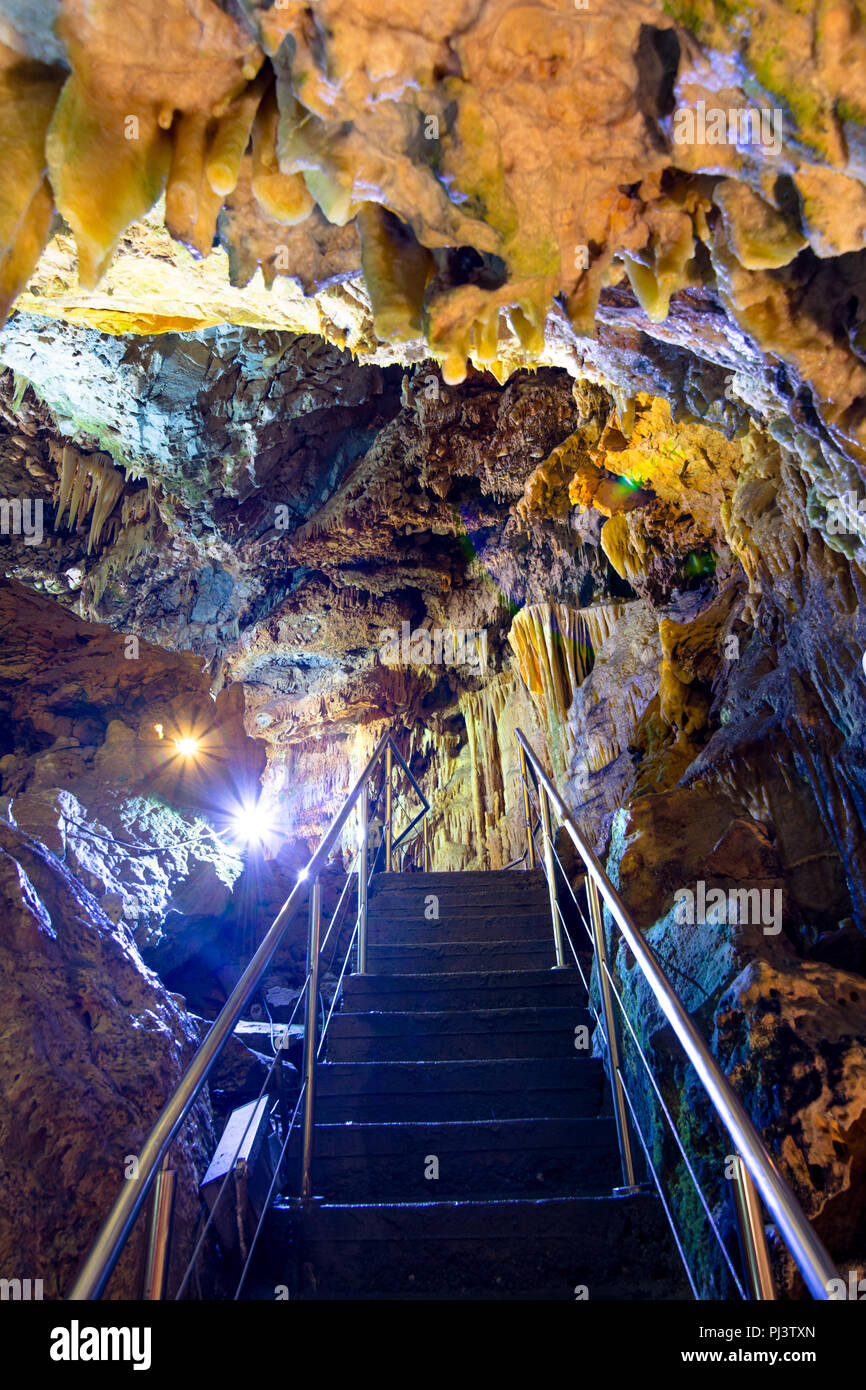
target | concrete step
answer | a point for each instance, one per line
(452, 886)
(454, 956)
(471, 1090)
(476, 1159)
(460, 1152)
(423, 907)
(455, 1035)
(454, 901)
(493, 881)
(600, 1248)
(492, 989)
(454, 927)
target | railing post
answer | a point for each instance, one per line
(426, 848)
(283, 1096)
(550, 874)
(753, 1239)
(363, 871)
(389, 829)
(619, 1108)
(311, 1019)
(529, 862)
(159, 1233)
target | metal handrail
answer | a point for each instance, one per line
(425, 804)
(112, 1236)
(804, 1245)
(418, 847)
(656, 1090)
(289, 1126)
(665, 1111)
(548, 853)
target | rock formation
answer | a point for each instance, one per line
(450, 372)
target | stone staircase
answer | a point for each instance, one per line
(461, 1145)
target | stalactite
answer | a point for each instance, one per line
(27, 99)
(129, 543)
(231, 137)
(284, 197)
(554, 645)
(481, 712)
(105, 172)
(600, 620)
(185, 198)
(89, 485)
(396, 270)
(624, 547)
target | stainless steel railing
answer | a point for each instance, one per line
(286, 1121)
(756, 1167)
(417, 856)
(110, 1241)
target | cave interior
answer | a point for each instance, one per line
(453, 376)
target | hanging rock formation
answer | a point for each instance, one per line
(459, 372)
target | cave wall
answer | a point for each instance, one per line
(92, 1046)
(468, 342)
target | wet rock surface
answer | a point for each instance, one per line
(92, 1045)
(786, 1030)
(469, 358)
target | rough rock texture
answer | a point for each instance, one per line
(105, 854)
(791, 1040)
(788, 1031)
(92, 1044)
(376, 330)
(415, 151)
(429, 138)
(107, 793)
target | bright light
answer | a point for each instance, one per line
(187, 747)
(302, 875)
(251, 824)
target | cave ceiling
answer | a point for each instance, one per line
(328, 326)
(321, 321)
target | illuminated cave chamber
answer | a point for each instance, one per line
(358, 380)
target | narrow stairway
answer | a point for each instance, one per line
(461, 1145)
